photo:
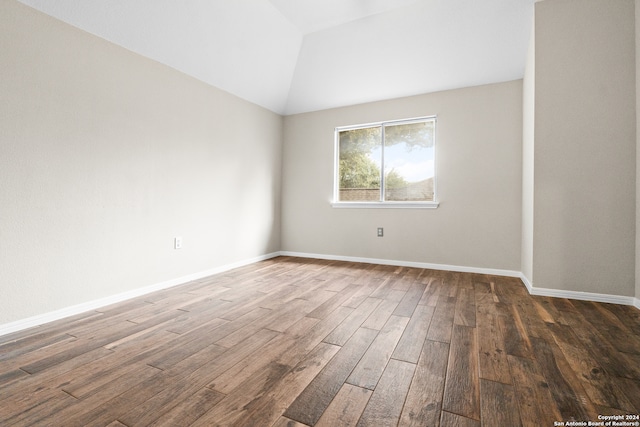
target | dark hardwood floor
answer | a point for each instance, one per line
(298, 342)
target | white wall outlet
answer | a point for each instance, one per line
(177, 243)
(380, 232)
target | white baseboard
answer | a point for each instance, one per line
(40, 319)
(584, 296)
(446, 267)
(96, 304)
(527, 283)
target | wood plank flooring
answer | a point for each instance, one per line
(301, 342)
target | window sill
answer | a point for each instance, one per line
(385, 205)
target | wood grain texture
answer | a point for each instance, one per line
(454, 420)
(465, 311)
(385, 405)
(535, 401)
(516, 338)
(346, 408)
(266, 404)
(424, 399)
(301, 342)
(617, 363)
(341, 334)
(494, 397)
(286, 422)
(380, 315)
(410, 345)
(598, 385)
(566, 390)
(368, 371)
(310, 404)
(462, 387)
(492, 356)
(410, 300)
(442, 322)
(189, 409)
(632, 391)
(619, 335)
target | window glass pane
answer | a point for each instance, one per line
(409, 162)
(360, 164)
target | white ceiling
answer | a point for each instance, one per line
(294, 56)
(315, 15)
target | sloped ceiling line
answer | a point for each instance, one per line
(316, 54)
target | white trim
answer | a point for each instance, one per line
(527, 283)
(395, 122)
(385, 205)
(584, 296)
(40, 319)
(446, 267)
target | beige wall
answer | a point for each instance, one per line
(584, 211)
(479, 183)
(105, 156)
(528, 139)
(637, 259)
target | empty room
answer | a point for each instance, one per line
(306, 213)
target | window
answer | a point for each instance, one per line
(388, 164)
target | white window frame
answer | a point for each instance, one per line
(336, 203)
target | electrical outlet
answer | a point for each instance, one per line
(177, 243)
(380, 232)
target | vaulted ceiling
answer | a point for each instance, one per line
(294, 56)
